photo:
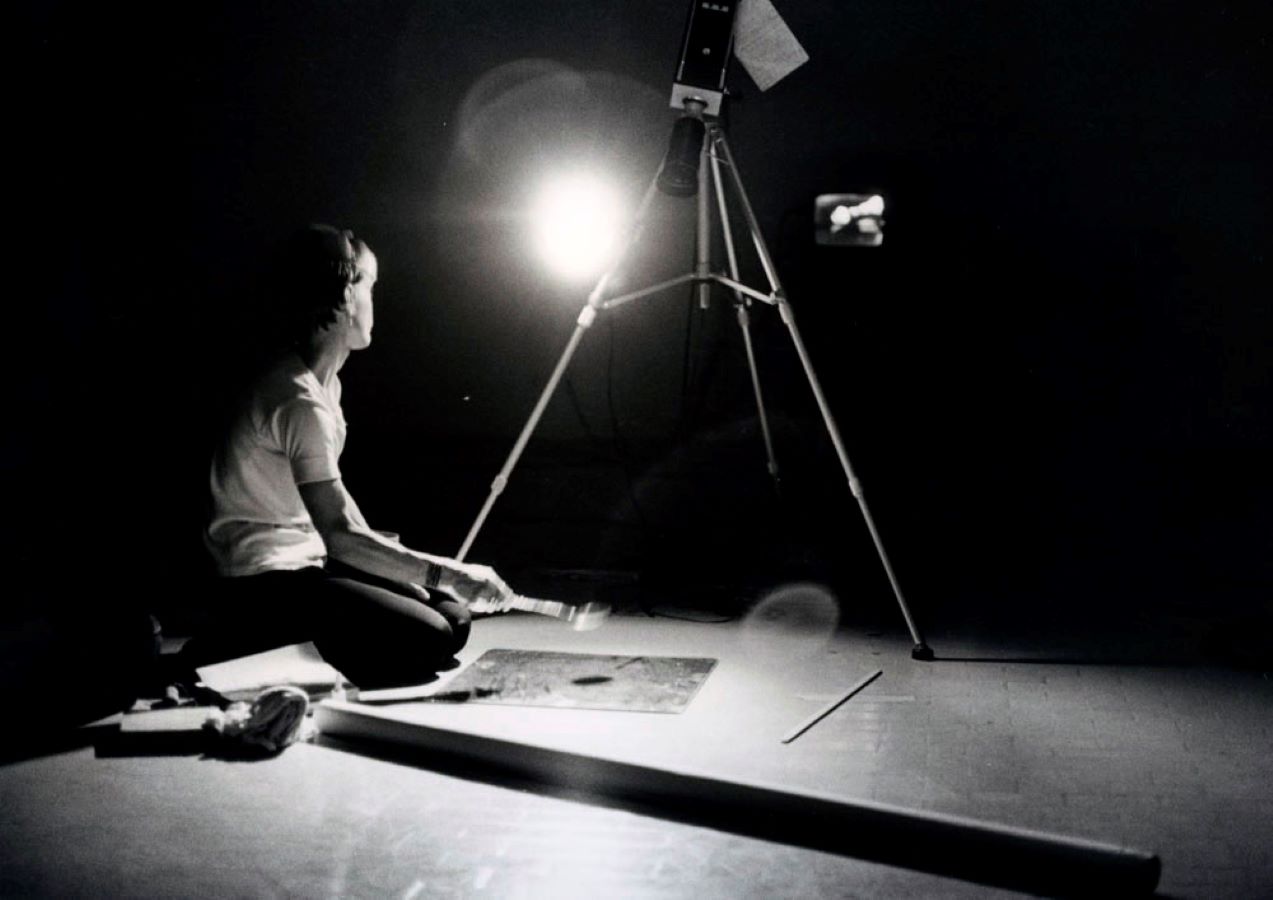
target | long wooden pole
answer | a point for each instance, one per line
(959, 847)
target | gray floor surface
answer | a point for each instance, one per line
(1167, 758)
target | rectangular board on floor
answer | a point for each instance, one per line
(663, 684)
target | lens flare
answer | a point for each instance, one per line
(577, 223)
(791, 622)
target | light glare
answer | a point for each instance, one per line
(577, 223)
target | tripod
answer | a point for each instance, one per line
(714, 156)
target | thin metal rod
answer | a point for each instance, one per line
(740, 301)
(730, 283)
(733, 285)
(612, 302)
(829, 708)
(726, 226)
(745, 327)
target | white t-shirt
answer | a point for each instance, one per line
(290, 432)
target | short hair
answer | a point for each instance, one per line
(314, 271)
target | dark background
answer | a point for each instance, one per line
(1053, 379)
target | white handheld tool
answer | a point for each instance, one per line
(584, 617)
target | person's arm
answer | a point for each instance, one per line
(350, 540)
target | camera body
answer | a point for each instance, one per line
(705, 50)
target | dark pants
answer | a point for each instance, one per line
(372, 630)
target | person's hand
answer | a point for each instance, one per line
(479, 587)
(420, 591)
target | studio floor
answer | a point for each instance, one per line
(1168, 758)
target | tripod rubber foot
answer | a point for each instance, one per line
(922, 651)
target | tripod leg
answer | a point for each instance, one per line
(501, 480)
(703, 232)
(920, 649)
(585, 320)
(743, 318)
(744, 326)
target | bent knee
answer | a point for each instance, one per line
(459, 623)
(460, 634)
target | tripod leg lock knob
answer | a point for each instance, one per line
(587, 317)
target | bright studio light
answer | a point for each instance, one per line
(577, 223)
